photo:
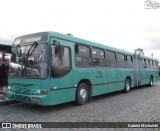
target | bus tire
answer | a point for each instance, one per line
(151, 82)
(127, 85)
(82, 94)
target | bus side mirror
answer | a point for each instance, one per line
(59, 49)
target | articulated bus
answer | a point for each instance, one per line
(50, 68)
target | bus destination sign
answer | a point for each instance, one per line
(38, 37)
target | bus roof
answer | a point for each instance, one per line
(87, 42)
(80, 41)
(83, 41)
(149, 58)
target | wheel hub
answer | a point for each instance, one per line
(151, 82)
(83, 93)
(127, 85)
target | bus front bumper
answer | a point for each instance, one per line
(33, 99)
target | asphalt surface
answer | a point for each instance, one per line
(141, 104)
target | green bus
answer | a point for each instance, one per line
(50, 68)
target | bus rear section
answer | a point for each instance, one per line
(145, 70)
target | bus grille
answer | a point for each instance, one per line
(21, 98)
(21, 84)
(22, 90)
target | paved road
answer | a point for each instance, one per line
(141, 104)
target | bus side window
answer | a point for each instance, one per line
(82, 56)
(151, 64)
(120, 60)
(142, 63)
(98, 57)
(147, 63)
(110, 59)
(154, 65)
(157, 65)
(129, 61)
(60, 65)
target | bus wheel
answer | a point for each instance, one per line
(82, 94)
(151, 82)
(127, 85)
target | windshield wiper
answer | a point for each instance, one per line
(33, 46)
(25, 60)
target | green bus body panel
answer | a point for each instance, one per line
(60, 90)
(146, 74)
(60, 94)
(27, 87)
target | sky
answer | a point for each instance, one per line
(124, 24)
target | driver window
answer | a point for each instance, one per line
(61, 65)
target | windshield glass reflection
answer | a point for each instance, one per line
(30, 62)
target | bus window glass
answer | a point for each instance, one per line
(98, 57)
(97, 53)
(147, 64)
(61, 65)
(83, 51)
(129, 62)
(143, 63)
(120, 60)
(151, 64)
(32, 63)
(82, 56)
(157, 65)
(110, 59)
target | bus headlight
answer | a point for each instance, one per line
(38, 91)
(9, 87)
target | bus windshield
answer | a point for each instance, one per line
(30, 62)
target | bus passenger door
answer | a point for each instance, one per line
(111, 71)
(111, 79)
(99, 81)
(61, 72)
(99, 73)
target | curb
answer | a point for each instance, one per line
(8, 102)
